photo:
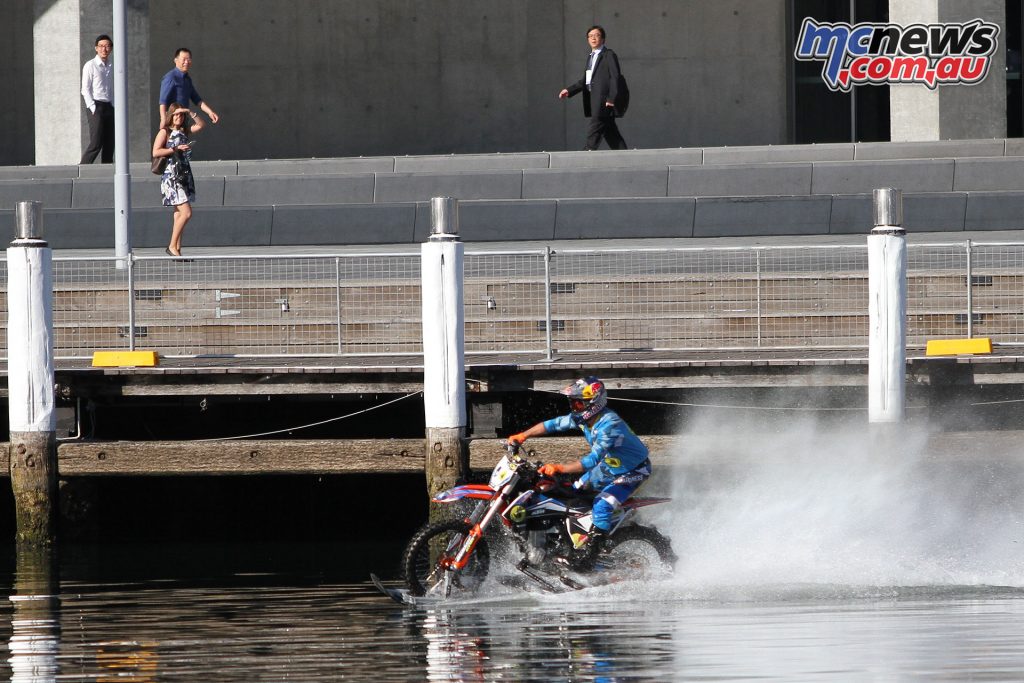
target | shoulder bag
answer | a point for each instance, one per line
(159, 164)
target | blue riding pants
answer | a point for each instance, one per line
(616, 493)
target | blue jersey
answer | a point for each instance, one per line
(614, 448)
(176, 86)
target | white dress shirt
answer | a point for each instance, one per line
(591, 62)
(97, 85)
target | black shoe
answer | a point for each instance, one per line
(177, 257)
(587, 556)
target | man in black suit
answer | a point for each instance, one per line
(600, 86)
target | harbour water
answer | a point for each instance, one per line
(299, 627)
(807, 555)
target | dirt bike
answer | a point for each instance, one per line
(548, 522)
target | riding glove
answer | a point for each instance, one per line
(517, 439)
(551, 470)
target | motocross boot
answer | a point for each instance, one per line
(596, 541)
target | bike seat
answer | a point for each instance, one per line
(568, 494)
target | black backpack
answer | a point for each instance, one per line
(622, 98)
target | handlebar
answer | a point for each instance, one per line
(558, 485)
(533, 467)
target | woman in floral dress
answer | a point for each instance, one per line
(176, 184)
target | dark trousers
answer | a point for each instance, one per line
(101, 134)
(604, 127)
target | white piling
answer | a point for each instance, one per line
(122, 173)
(887, 309)
(33, 456)
(444, 380)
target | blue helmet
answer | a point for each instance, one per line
(587, 397)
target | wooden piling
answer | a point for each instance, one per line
(446, 460)
(887, 310)
(33, 468)
(33, 450)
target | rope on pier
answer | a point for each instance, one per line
(313, 424)
(736, 407)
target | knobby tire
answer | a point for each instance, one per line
(419, 559)
(648, 535)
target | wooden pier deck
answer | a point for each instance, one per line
(488, 377)
(406, 456)
(630, 370)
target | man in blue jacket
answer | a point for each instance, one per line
(616, 465)
(176, 86)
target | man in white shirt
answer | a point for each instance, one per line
(98, 92)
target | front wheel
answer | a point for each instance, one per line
(639, 550)
(428, 552)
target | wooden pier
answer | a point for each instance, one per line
(405, 456)
(657, 333)
(490, 381)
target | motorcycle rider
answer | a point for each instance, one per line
(616, 465)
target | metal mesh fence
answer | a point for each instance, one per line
(236, 306)
(936, 292)
(379, 302)
(90, 306)
(709, 298)
(529, 301)
(240, 306)
(505, 302)
(997, 286)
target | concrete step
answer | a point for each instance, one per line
(492, 220)
(768, 179)
(955, 185)
(635, 158)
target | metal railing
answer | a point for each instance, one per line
(540, 301)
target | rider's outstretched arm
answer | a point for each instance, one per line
(536, 430)
(551, 469)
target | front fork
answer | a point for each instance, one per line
(479, 510)
(479, 519)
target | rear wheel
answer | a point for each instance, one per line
(639, 550)
(426, 555)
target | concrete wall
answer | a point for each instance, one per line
(58, 80)
(698, 192)
(700, 73)
(47, 42)
(16, 139)
(950, 113)
(141, 98)
(351, 77)
(979, 110)
(346, 78)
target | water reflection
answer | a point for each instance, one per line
(97, 625)
(35, 631)
(118, 661)
(452, 654)
(517, 641)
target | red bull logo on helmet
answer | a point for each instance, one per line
(876, 54)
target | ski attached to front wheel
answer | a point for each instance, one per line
(397, 594)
